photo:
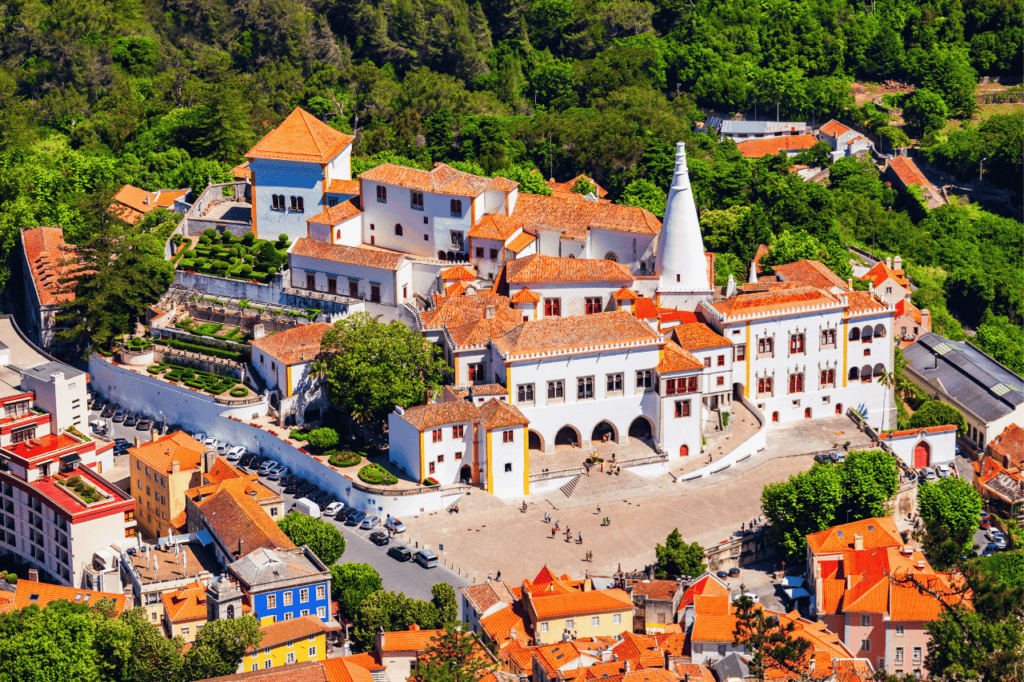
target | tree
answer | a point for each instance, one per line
(949, 510)
(938, 413)
(453, 656)
(583, 186)
(55, 643)
(870, 480)
(220, 646)
(804, 504)
(644, 194)
(351, 584)
(1003, 340)
(132, 649)
(773, 647)
(372, 367)
(267, 256)
(790, 247)
(322, 439)
(676, 558)
(529, 179)
(322, 538)
(390, 611)
(925, 111)
(888, 381)
(445, 602)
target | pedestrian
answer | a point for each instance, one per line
(581, 537)
(499, 576)
(553, 531)
(488, 577)
(598, 510)
(556, 526)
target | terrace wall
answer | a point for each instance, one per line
(235, 288)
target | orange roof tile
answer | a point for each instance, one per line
(521, 242)
(294, 346)
(381, 259)
(368, 660)
(131, 203)
(50, 260)
(645, 309)
(909, 174)
(881, 272)
(778, 300)
(699, 336)
(852, 670)
(456, 288)
(526, 296)
(426, 417)
(413, 639)
(625, 294)
(284, 631)
(480, 332)
(223, 470)
(1008, 446)
(713, 628)
(506, 625)
(676, 359)
(694, 672)
(458, 272)
(185, 605)
(554, 656)
(344, 670)
(566, 187)
(706, 585)
(544, 576)
(554, 335)
(574, 217)
(454, 311)
(755, 149)
(877, 533)
(234, 516)
(862, 303)
(834, 129)
(485, 595)
(242, 171)
(580, 603)
(889, 435)
(343, 187)
(495, 414)
(443, 179)
(301, 137)
(30, 592)
(495, 226)
(810, 272)
(537, 268)
(176, 447)
(336, 214)
(661, 590)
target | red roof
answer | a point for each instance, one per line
(755, 149)
(889, 435)
(835, 129)
(413, 639)
(1008, 446)
(185, 605)
(909, 174)
(877, 533)
(707, 585)
(42, 594)
(881, 272)
(50, 259)
(301, 137)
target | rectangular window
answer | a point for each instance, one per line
(184, 632)
(353, 288)
(375, 293)
(255, 666)
(456, 208)
(416, 201)
(682, 408)
(899, 630)
(593, 305)
(303, 613)
(917, 654)
(268, 663)
(865, 645)
(585, 388)
(617, 619)
(614, 383)
(691, 385)
(304, 595)
(508, 467)
(276, 203)
(312, 652)
(525, 393)
(644, 379)
(436, 435)
(508, 436)
(707, 361)
(382, 194)
(440, 459)
(476, 372)
(721, 361)
(552, 307)
(543, 627)
(670, 386)
(720, 381)
(321, 611)
(310, 281)
(332, 202)
(271, 601)
(291, 657)
(494, 254)
(456, 239)
(297, 204)
(321, 592)
(570, 623)
(458, 431)
(458, 455)
(288, 598)
(899, 654)
(741, 353)
(595, 621)
(332, 285)
(556, 391)
(796, 383)
(479, 252)
(865, 621)
(432, 467)
(796, 343)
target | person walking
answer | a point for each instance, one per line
(581, 537)
(556, 526)
(598, 510)
(553, 532)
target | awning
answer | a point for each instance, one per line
(73, 458)
(792, 581)
(797, 592)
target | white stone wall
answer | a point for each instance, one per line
(629, 247)
(942, 446)
(510, 483)
(418, 237)
(404, 445)
(449, 454)
(391, 281)
(65, 399)
(573, 295)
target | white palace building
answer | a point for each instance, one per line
(565, 319)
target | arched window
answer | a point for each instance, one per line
(796, 343)
(865, 334)
(456, 208)
(855, 334)
(398, 230)
(796, 383)
(768, 384)
(760, 385)
(854, 373)
(441, 255)
(865, 373)
(611, 256)
(879, 370)
(880, 331)
(231, 611)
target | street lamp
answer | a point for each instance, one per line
(981, 167)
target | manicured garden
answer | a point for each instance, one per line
(199, 379)
(226, 255)
(137, 343)
(375, 474)
(85, 491)
(343, 459)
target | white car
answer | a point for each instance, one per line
(211, 443)
(267, 467)
(394, 525)
(199, 436)
(333, 508)
(222, 448)
(994, 533)
(942, 471)
(235, 453)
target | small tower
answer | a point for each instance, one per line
(753, 272)
(681, 265)
(223, 599)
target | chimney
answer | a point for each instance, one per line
(858, 542)
(849, 283)
(668, 660)
(33, 575)
(380, 640)
(626, 667)
(489, 312)
(849, 580)
(920, 564)
(56, 377)
(175, 464)
(606, 654)
(414, 628)
(137, 441)
(399, 409)
(888, 262)
(241, 545)
(926, 320)
(258, 331)
(897, 263)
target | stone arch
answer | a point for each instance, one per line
(808, 413)
(922, 454)
(839, 408)
(466, 473)
(880, 330)
(442, 256)
(535, 440)
(854, 373)
(602, 428)
(879, 370)
(855, 334)
(684, 450)
(611, 256)
(451, 256)
(865, 373)
(641, 427)
(568, 435)
(866, 333)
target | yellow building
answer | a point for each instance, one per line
(161, 472)
(184, 611)
(557, 606)
(288, 641)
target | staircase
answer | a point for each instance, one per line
(475, 501)
(570, 487)
(600, 486)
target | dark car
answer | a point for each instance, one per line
(121, 441)
(322, 498)
(130, 419)
(355, 519)
(120, 415)
(292, 486)
(379, 538)
(145, 424)
(823, 458)
(98, 403)
(400, 553)
(306, 490)
(108, 410)
(158, 426)
(246, 459)
(173, 428)
(121, 448)
(343, 515)
(258, 461)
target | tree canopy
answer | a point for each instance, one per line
(676, 558)
(949, 509)
(323, 539)
(938, 413)
(351, 584)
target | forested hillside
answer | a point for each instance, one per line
(97, 93)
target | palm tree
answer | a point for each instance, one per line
(888, 380)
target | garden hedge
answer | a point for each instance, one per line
(375, 474)
(343, 459)
(239, 392)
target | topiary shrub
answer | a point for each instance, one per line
(187, 264)
(239, 392)
(283, 238)
(375, 474)
(322, 439)
(210, 232)
(344, 459)
(188, 374)
(248, 238)
(271, 271)
(245, 269)
(226, 237)
(153, 369)
(204, 240)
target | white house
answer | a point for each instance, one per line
(545, 286)
(717, 354)
(889, 280)
(926, 447)
(844, 140)
(374, 275)
(283, 361)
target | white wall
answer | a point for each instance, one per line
(507, 483)
(573, 294)
(391, 282)
(942, 445)
(287, 178)
(340, 167)
(629, 247)
(404, 445)
(65, 399)
(423, 239)
(713, 372)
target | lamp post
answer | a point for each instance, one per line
(981, 167)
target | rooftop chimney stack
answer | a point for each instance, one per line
(888, 262)
(33, 575)
(489, 312)
(897, 263)
(858, 542)
(258, 332)
(849, 582)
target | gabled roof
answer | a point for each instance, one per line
(443, 179)
(547, 607)
(294, 346)
(506, 625)
(526, 296)
(881, 272)
(835, 129)
(485, 595)
(30, 592)
(699, 336)
(555, 335)
(537, 268)
(660, 590)
(413, 639)
(905, 307)
(176, 447)
(480, 332)
(301, 137)
(521, 242)
(458, 272)
(705, 585)
(284, 631)
(343, 187)
(877, 533)
(185, 605)
(755, 149)
(495, 226)
(344, 670)
(810, 272)
(574, 217)
(50, 259)
(380, 259)
(234, 516)
(625, 294)
(562, 188)
(132, 203)
(909, 174)
(454, 311)
(426, 417)
(495, 414)
(1008, 446)
(336, 214)
(676, 359)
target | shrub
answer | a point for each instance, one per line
(282, 238)
(248, 238)
(210, 232)
(226, 237)
(343, 459)
(245, 269)
(204, 240)
(271, 272)
(239, 392)
(154, 369)
(176, 239)
(322, 439)
(430, 482)
(12, 578)
(222, 353)
(375, 474)
(188, 374)
(186, 264)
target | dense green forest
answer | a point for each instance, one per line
(96, 93)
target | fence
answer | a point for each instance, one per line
(557, 473)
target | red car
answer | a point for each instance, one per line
(985, 521)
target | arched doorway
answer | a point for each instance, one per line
(640, 428)
(567, 435)
(922, 455)
(807, 413)
(603, 432)
(535, 441)
(442, 256)
(684, 450)
(611, 256)
(775, 416)
(839, 408)
(466, 474)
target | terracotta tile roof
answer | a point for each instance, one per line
(554, 335)
(644, 308)
(633, 646)
(380, 259)
(566, 187)
(284, 631)
(877, 533)
(713, 628)
(676, 359)
(454, 311)
(223, 470)
(905, 307)
(178, 446)
(185, 605)
(506, 625)
(521, 242)
(699, 336)
(368, 660)
(1008, 446)
(1007, 485)
(458, 272)
(625, 294)
(705, 585)
(296, 345)
(443, 179)
(343, 187)
(413, 639)
(480, 332)
(909, 174)
(778, 300)
(573, 216)
(458, 288)
(662, 590)
(426, 417)
(537, 268)
(301, 137)
(694, 672)
(889, 435)
(495, 414)
(755, 149)
(307, 671)
(252, 488)
(812, 273)
(235, 516)
(42, 594)
(881, 272)
(825, 646)
(650, 674)
(602, 671)
(554, 656)
(526, 296)
(860, 302)
(485, 595)
(852, 670)
(344, 670)
(131, 203)
(242, 172)
(547, 607)
(908, 604)
(495, 226)
(834, 129)
(50, 260)
(336, 214)
(545, 575)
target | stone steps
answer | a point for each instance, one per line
(598, 486)
(477, 500)
(569, 488)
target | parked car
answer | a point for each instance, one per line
(369, 522)
(158, 426)
(379, 538)
(990, 549)
(1000, 542)
(267, 468)
(108, 410)
(985, 521)
(256, 462)
(293, 485)
(823, 458)
(927, 474)
(145, 424)
(97, 403)
(120, 415)
(942, 471)
(400, 553)
(394, 525)
(993, 533)
(355, 519)
(224, 447)
(305, 490)
(274, 475)
(131, 419)
(837, 456)
(199, 436)
(121, 448)
(426, 558)
(333, 508)
(174, 428)
(211, 443)
(121, 441)
(235, 453)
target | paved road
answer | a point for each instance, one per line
(407, 577)
(119, 430)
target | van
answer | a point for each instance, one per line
(426, 558)
(307, 507)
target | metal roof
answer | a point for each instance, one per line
(731, 666)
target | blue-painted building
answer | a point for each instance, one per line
(298, 169)
(282, 584)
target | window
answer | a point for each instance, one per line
(184, 631)
(721, 650)
(670, 386)
(644, 379)
(556, 391)
(616, 619)
(888, 290)
(865, 621)
(321, 611)
(332, 202)
(291, 657)
(867, 352)
(382, 194)
(828, 377)
(691, 385)
(23, 435)
(585, 388)
(375, 293)
(796, 383)
(766, 346)
(494, 254)
(398, 230)
(353, 288)
(707, 361)
(255, 666)
(268, 663)
(828, 337)
(297, 204)
(593, 305)
(899, 654)
(720, 381)
(431, 467)
(865, 645)
(525, 393)
(303, 613)
(508, 436)
(543, 627)
(479, 252)
(456, 239)
(416, 201)
(552, 307)
(288, 598)
(595, 621)
(332, 285)
(796, 343)
(741, 353)
(570, 623)
(614, 384)
(456, 206)
(721, 361)
(436, 436)
(917, 654)
(277, 202)
(458, 431)
(321, 592)
(304, 595)
(899, 630)
(682, 408)
(508, 467)
(312, 652)
(476, 372)
(271, 601)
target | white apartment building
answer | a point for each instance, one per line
(283, 360)
(544, 286)
(716, 354)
